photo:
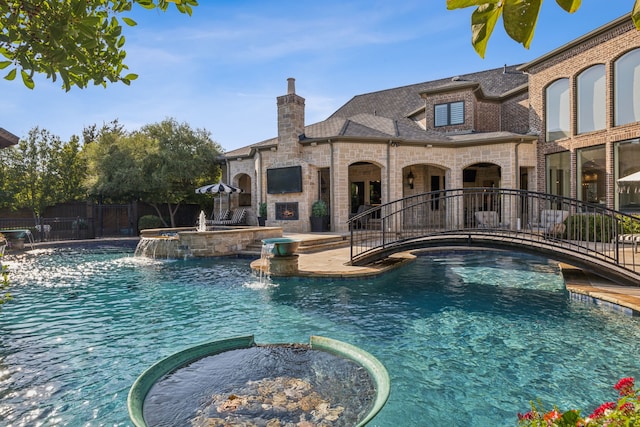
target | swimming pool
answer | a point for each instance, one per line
(468, 338)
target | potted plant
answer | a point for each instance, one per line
(319, 216)
(262, 214)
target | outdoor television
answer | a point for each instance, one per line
(284, 180)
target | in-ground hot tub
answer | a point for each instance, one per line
(238, 382)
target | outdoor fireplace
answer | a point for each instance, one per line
(287, 211)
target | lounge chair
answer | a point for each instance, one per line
(551, 222)
(634, 239)
(238, 218)
(217, 217)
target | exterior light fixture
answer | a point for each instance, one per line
(410, 179)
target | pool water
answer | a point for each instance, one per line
(468, 338)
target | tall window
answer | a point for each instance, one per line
(591, 174)
(627, 162)
(558, 174)
(449, 114)
(592, 99)
(627, 88)
(557, 110)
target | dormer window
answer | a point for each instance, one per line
(448, 114)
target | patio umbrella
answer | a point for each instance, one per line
(634, 177)
(625, 183)
(218, 188)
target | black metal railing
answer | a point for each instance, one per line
(575, 230)
(53, 229)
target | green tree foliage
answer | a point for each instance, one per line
(41, 171)
(182, 159)
(161, 164)
(79, 41)
(113, 165)
(30, 176)
(519, 17)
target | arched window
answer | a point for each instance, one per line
(627, 88)
(592, 98)
(557, 110)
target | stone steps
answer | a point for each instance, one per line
(309, 244)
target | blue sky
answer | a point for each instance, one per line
(222, 68)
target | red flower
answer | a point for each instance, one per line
(599, 411)
(627, 408)
(526, 416)
(625, 386)
(552, 415)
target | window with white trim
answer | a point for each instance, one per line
(627, 88)
(557, 110)
(592, 99)
(451, 113)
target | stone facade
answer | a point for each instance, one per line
(366, 151)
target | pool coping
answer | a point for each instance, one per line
(598, 290)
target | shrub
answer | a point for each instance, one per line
(262, 210)
(149, 221)
(319, 208)
(593, 228)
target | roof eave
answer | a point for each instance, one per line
(575, 42)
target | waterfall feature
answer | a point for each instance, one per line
(161, 247)
(265, 255)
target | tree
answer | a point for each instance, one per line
(161, 164)
(79, 41)
(184, 159)
(519, 17)
(30, 176)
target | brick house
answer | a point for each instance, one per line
(518, 127)
(585, 106)
(463, 131)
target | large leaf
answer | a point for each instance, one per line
(635, 14)
(27, 80)
(11, 74)
(569, 5)
(483, 20)
(520, 17)
(459, 4)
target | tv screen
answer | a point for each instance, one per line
(284, 180)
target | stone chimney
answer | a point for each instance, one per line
(290, 122)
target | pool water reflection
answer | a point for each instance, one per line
(468, 338)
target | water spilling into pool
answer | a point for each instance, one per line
(468, 338)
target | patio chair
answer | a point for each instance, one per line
(217, 217)
(238, 218)
(487, 219)
(634, 239)
(551, 222)
(361, 222)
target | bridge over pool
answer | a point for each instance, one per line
(587, 235)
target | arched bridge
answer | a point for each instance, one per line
(587, 235)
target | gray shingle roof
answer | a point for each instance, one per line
(384, 114)
(399, 102)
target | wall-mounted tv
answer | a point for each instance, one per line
(284, 180)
